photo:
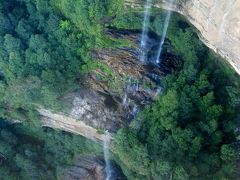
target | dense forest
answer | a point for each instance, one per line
(45, 49)
(189, 132)
(28, 152)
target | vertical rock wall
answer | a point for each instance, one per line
(218, 22)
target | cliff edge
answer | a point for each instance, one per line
(218, 23)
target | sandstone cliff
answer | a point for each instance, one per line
(218, 22)
(69, 124)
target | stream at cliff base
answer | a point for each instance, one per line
(165, 28)
(106, 143)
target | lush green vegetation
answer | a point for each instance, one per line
(28, 152)
(45, 49)
(190, 131)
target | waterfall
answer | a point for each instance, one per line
(158, 91)
(166, 23)
(137, 86)
(135, 110)
(106, 143)
(125, 100)
(144, 37)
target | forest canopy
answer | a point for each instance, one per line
(46, 48)
(189, 132)
(28, 152)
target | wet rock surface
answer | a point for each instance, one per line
(218, 23)
(98, 109)
(120, 86)
(91, 168)
(115, 91)
(109, 98)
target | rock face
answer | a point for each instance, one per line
(69, 124)
(113, 92)
(86, 168)
(91, 168)
(218, 22)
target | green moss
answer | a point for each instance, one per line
(100, 131)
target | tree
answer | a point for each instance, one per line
(5, 24)
(6, 150)
(180, 174)
(8, 137)
(24, 30)
(12, 44)
(228, 153)
(28, 168)
(166, 110)
(190, 129)
(161, 170)
(132, 154)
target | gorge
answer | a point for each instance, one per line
(207, 18)
(119, 89)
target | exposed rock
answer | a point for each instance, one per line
(91, 168)
(86, 168)
(218, 22)
(112, 94)
(99, 110)
(66, 123)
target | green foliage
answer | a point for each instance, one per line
(29, 152)
(137, 160)
(128, 20)
(35, 54)
(189, 132)
(228, 153)
(161, 170)
(91, 17)
(46, 47)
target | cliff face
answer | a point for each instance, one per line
(112, 94)
(218, 22)
(89, 167)
(69, 124)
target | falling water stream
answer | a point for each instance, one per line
(125, 100)
(106, 143)
(144, 37)
(165, 28)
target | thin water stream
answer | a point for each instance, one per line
(144, 37)
(106, 144)
(165, 28)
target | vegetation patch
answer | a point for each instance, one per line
(190, 131)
